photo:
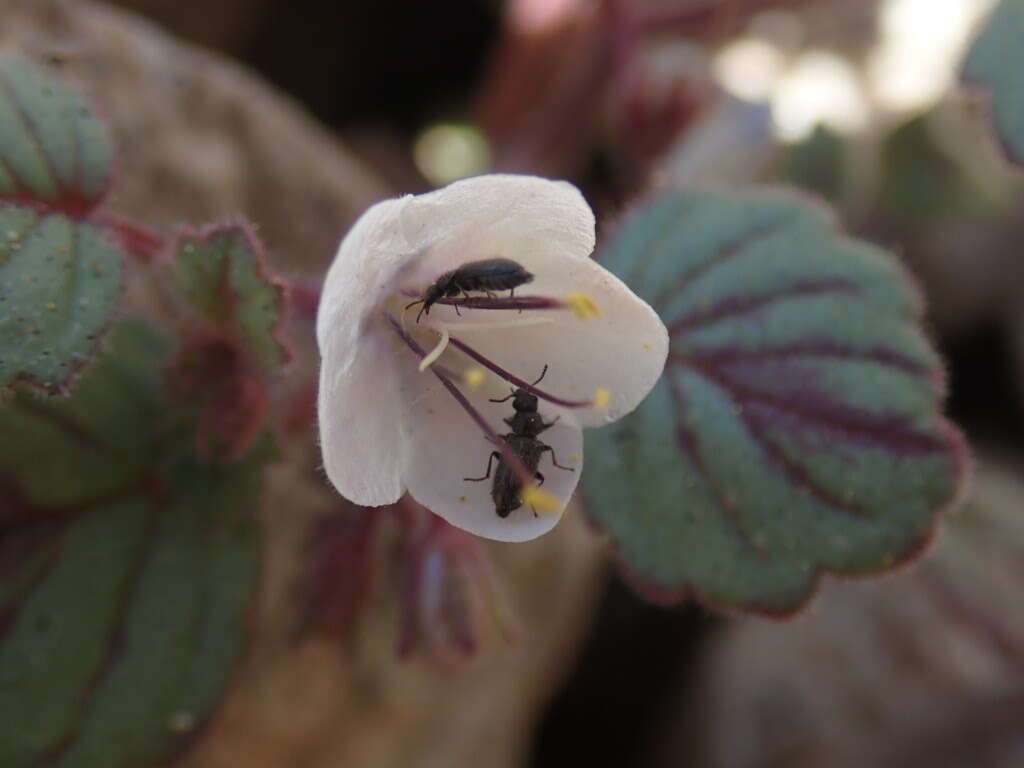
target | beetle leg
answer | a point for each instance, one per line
(554, 459)
(553, 422)
(490, 460)
(540, 478)
(507, 420)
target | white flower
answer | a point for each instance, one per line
(387, 427)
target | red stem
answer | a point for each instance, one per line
(140, 241)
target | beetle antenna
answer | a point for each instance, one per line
(541, 376)
(502, 400)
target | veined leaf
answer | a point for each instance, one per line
(131, 567)
(222, 272)
(127, 641)
(996, 61)
(60, 277)
(796, 428)
(181, 627)
(53, 149)
(60, 281)
(69, 451)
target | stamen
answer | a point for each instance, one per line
(583, 305)
(516, 322)
(540, 499)
(602, 397)
(525, 477)
(515, 380)
(518, 303)
(474, 378)
(436, 352)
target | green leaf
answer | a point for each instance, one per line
(134, 567)
(817, 163)
(60, 282)
(60, 277)
(796, 428)
(996, 61)
(128, 640)
(53, 150)
(71, 451)
(63, 630)
(222, 272)
(182, 626)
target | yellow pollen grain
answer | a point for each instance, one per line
(582, 305)
(474, 378)
(647, 347)
(575, 458)
(602, 397)
(51, 306)
(541, 500)
(436, 352)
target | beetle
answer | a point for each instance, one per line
(485, 275)
(526, 424)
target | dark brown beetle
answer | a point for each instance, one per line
(526, 424)
(484, 275)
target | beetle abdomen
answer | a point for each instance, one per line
(491, 275)
(507, 486)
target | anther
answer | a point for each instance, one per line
(474, 378)
(583, 305)
(540, 500)
(515, 380)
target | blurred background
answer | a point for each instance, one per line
(855, 101)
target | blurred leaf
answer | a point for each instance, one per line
(921, 185)
(53, 150)
(128, 640)
(816, 163)
(59, 636)
(181, 627)
(796, 428)
(923, 669)
(60, 277)
(69, 451)
(222, 272)
(131, 567)
(996, 61)
(60, 281)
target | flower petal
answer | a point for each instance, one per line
(359, 399)
(622, 351)
(360, 429)
(368, 258)
(444, 446)
(498, 215)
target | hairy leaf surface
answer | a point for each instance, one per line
(996, 62)
(796, 428)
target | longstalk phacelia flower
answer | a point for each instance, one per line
(417, 401)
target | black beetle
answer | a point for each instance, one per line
(484, 275)
(526, 424)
